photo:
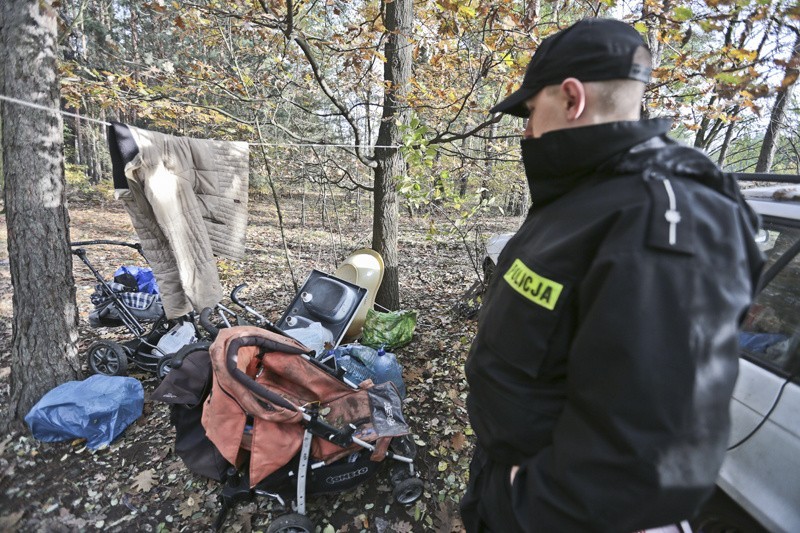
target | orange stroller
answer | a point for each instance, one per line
(284, 420)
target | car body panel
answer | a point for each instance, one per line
(761, 472)
(762, 475)
(495, 245)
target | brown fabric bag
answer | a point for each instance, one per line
(274, 362)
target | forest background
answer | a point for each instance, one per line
(361, 115)
(383, 105)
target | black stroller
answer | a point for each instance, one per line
(119, 303)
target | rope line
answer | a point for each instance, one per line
(105, 123)
(51, 109)
(325, 145)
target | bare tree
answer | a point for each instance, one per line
(45, 323)
(782, 97)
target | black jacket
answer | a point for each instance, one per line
(607, 346)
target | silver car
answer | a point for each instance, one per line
(761, 472)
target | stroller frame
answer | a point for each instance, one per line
(316, 478)
(112, 358)
(407, 487)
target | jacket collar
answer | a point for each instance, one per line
(559, 161)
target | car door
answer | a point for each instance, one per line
(761, 471)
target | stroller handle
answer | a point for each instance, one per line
(255, 388)
(263, 322)
(206, 323)
(177, 360)
(235, 299)
(135, 245)
(235, 292)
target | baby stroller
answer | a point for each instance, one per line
(123, 304)
(280, 424)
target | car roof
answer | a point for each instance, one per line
(782, 200)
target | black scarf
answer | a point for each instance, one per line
(560, 160)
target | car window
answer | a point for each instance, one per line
(771, 332)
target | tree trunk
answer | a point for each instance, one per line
(723, 151)
(78, 139)
(45, 323)
(90, 156)
(390, 163)
(653, 15)
(532, 10)
(488, 169)
(783, 96)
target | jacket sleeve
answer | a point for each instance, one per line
(650, 374)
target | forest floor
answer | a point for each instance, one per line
(139, 484)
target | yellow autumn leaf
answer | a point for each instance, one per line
(743, 55)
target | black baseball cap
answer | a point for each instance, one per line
(590, 50)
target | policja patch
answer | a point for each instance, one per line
(538, 289)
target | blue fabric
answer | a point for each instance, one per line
(144, 278)
(97, 409)
(759, 342)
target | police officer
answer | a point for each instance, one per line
(606, 351)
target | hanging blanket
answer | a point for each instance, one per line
(187, 199)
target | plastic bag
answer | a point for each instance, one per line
(390, 330)
(98, 409)
(145, 279)
(314, 336)
(176, 338)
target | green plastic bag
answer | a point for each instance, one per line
(390, 330)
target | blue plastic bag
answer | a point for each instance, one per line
(144, 277)
(97, 409)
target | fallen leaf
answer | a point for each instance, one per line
(361, 521)
(189, 507)
(445, 518)
(144, 481)
(402, 527)
(3, 445)
(8, 521)
(458, 441)
(412, 374)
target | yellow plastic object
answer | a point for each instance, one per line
(364, 267)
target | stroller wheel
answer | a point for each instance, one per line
(408, 491)
(107, 357)
(164, 366)
(291, 523)
(404, 445)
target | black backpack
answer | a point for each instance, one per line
(185, 388)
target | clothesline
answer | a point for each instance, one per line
(51, 109)
(106, 123)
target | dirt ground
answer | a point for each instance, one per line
(139, 484)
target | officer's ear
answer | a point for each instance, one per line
(574, 95)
